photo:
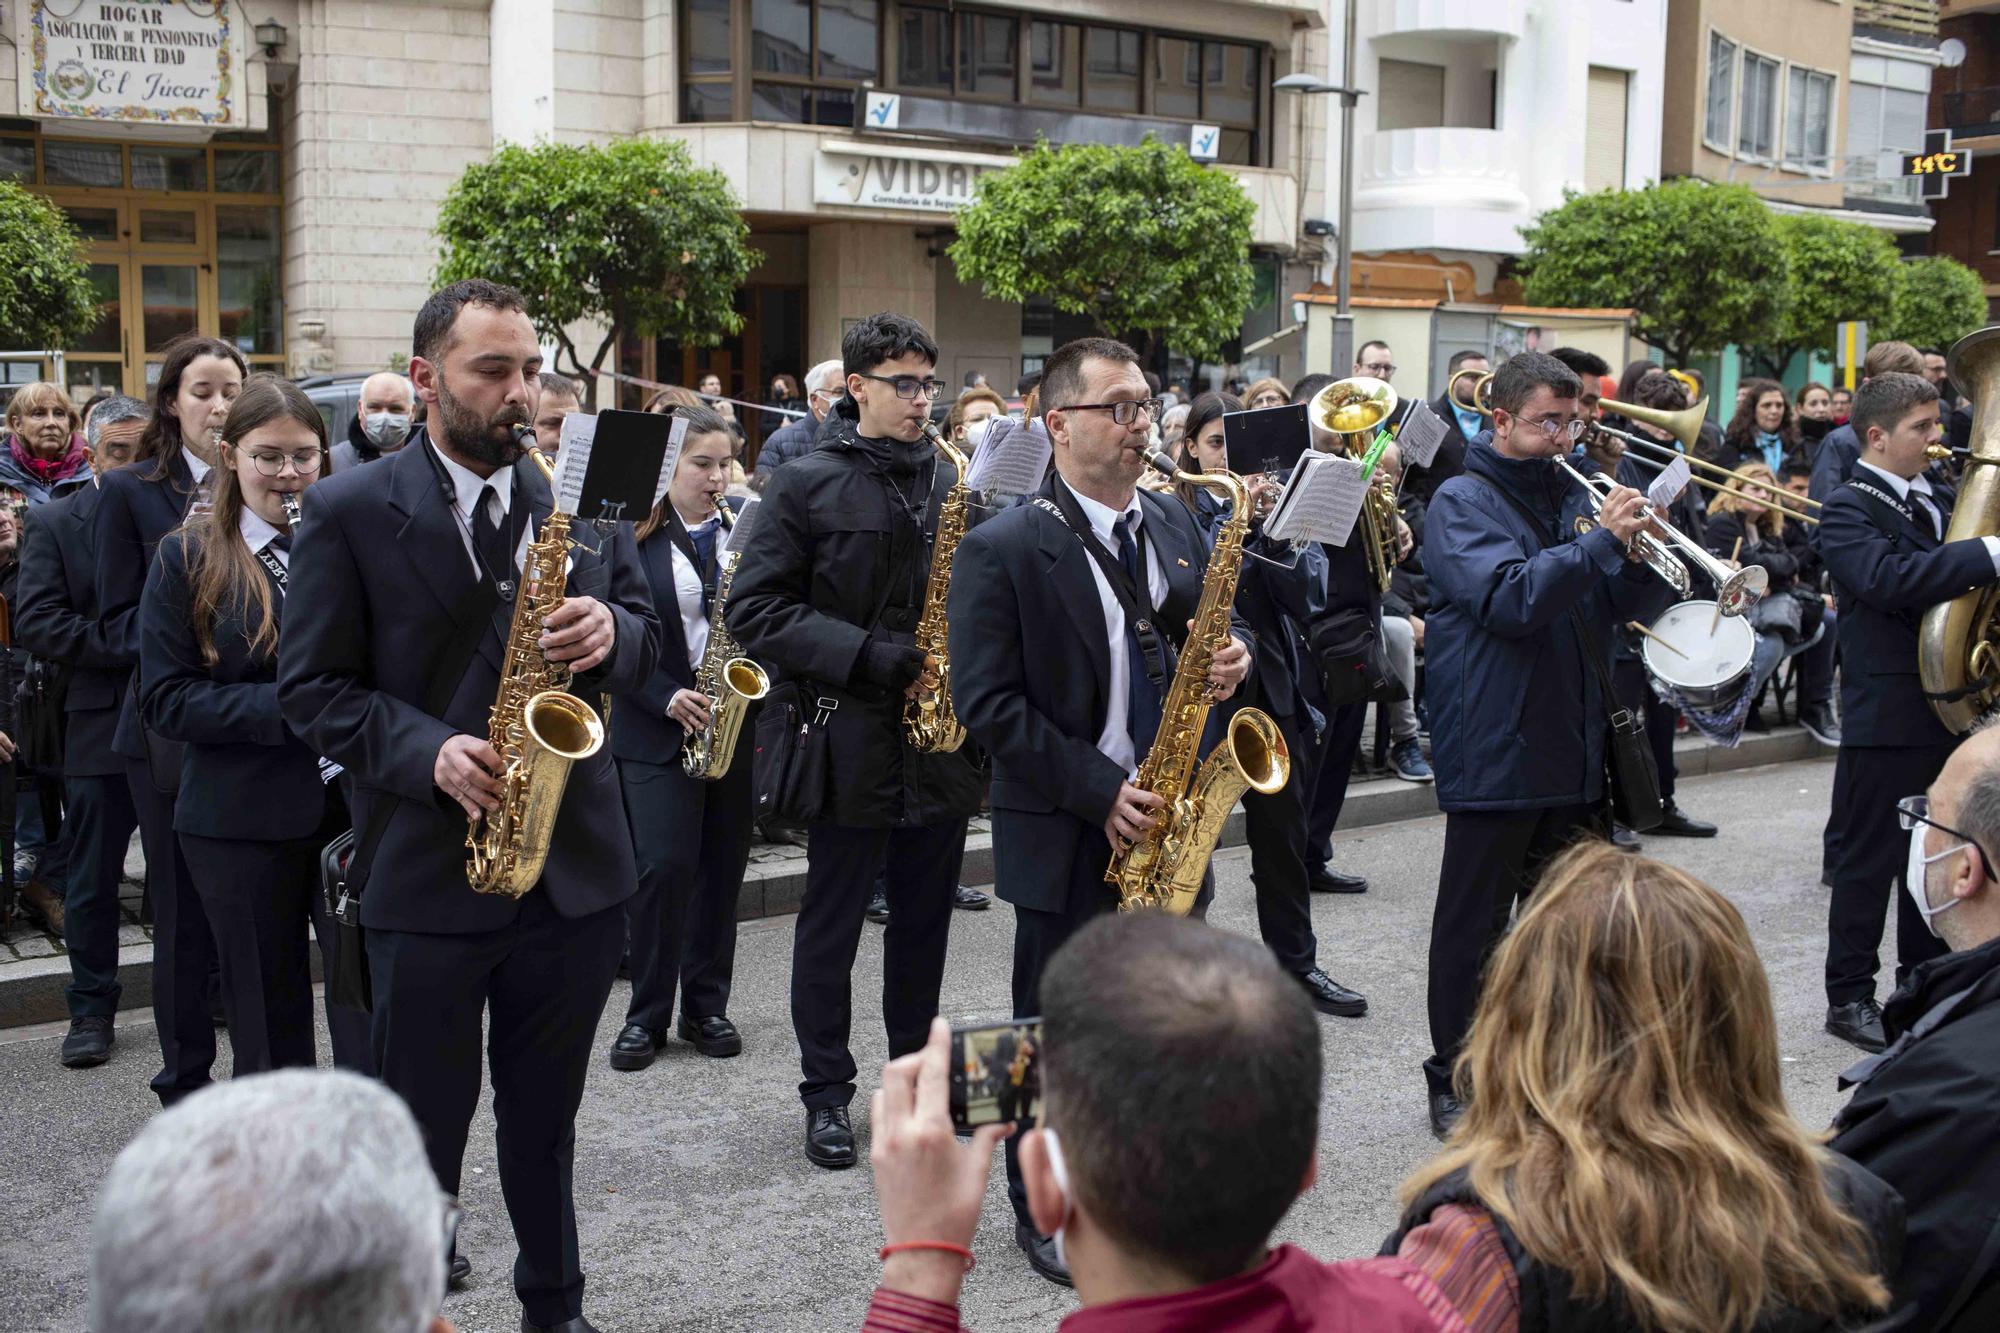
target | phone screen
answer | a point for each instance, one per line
(996, 1074)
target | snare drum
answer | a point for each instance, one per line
(1705, 660)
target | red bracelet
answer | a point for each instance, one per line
(901, 1246)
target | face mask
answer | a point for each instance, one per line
(1917, 870)
(385, 430)
(1060, 1170)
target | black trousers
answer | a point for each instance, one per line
(692, 841)
(1275, 826)
(922, 867)
(1628, 678)
(543, 980)
(259, 898)
(99, 826)
(1868, 866)
(183, 948)
(1491, 861)
(1328, 773)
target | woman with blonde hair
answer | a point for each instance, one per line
(1626, 1159)
(1267, 392)
(43, 452)
(1747, 525)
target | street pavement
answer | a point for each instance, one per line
(697, 1209)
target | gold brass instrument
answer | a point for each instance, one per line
(1343, 419)
(1685, 427)
(1479, 398)
(731, 681)
(928, 721)
(1737, 589)
(1164, 868)
(1957, 640)
(538, 728)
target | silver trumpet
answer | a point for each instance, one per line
(1737, 589)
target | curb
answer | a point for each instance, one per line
(32, 992)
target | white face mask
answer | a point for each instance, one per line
(1916, 873)
(1060, 1170)
(385, 430)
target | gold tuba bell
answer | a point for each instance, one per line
(1344, 418)
(1958, 642)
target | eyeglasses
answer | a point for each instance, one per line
(1570, 427)
(1914, 810)
(1124, 413)
(273, 465)
(908, 386)
(1380, 369)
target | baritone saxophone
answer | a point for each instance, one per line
(538, 728)
(1164, 868)
(731, 681)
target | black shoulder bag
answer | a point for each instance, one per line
(1635, 778)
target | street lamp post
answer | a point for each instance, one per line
(1343, 242)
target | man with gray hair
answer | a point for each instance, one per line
(113, 432)
(796, 437)
(1923, 1110)
(298, 1201)
(381, 421)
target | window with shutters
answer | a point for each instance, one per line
(1604, 129)
(1412, 96)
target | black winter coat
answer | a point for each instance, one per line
(1922, 1118)
(1776, 556)
(834, 561)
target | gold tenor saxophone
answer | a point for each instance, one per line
(928, 722)
(1958, 642)
(731, 681)
(1164, 868)
(538, 728)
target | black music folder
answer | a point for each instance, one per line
(619, 466)
(1269, 439)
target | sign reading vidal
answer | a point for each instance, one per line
(871, 177)
(177, 62)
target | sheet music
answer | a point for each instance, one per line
(676, 434)
(1011, 457)
(1423, 431)
(739, 532)
(579, 433)
(1666, 487)
(1322, 502)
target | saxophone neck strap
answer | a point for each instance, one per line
(1154, 649)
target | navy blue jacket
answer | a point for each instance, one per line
(794, 439)
(244, 775)
(56, 617)
(640, 727)
(1517, 716)
(1833, 464)
(381, 591)
(1887, 571)
(138, 504)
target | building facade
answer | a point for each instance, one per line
(1965, 99)
(299, 221)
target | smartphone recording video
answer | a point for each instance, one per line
(996, 1074)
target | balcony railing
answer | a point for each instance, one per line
(1972, 109)
(1919, 18)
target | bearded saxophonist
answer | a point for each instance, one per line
(1067, 614)
(395, 639)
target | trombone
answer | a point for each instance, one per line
(1685, 427)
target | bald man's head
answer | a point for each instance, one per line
(1966, 800)
(386, 408)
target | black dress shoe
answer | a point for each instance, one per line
(1330, 997)
(1859, 1023)
(88, 1043)
(830, 1138)
(878, 908)
(461, 1270)
(636, 1046)
(1675, 823)
(1328, 880)
(714, 1036)
(1041, 1252)
(1445, 1111)
(969, 900)
(576, 1325)
(1624, 839)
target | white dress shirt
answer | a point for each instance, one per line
(196, 465)
(1916, 492)
(257, 534)
(1115, 741)
(687, 592)
(467, 486)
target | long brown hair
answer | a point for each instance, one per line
(1625, 1115)
(223, 575)
(1207, 408)
(163, 430)
(1742, 428)
(700, 421)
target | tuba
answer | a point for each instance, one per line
(731, 681)
(1343, 419)
(538, 728)
(928, 722)
(1164, 869)
(1958, 640)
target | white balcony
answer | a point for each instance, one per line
(1448, 188)
(1449, 20)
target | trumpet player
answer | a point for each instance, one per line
(690, 836)
(1518, 647)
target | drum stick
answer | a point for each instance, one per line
(1633, 624)
(1715, 621)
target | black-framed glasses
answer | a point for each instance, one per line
(1914, 810)
(1381, 370)
(1124, 413)
(305, 463)
(907, 386)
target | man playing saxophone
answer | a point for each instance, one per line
(690, 834)
(396, 632)
(1066, 616)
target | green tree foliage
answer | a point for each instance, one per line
(1145, 241)
(631, 235)
(1702, 266)
(1836, 271)
(46, 299)
(1938, 301)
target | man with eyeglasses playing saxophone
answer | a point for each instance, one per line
(1517, 646)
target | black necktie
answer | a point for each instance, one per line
(489, 538)
(1928, 508)
(1142, 697)
(282, 542)
(703, 538)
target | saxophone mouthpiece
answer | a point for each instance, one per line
(1161, 460)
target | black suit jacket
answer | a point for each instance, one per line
(1887, 571)
(640, 727)
(382, 588)
(1031, 677)
(56, 617)
(138, 505)
(244, 775)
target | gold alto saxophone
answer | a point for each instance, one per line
(537, 726)
(731, 681)
(928, 722)
(1958, 642)
(1164, 868)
